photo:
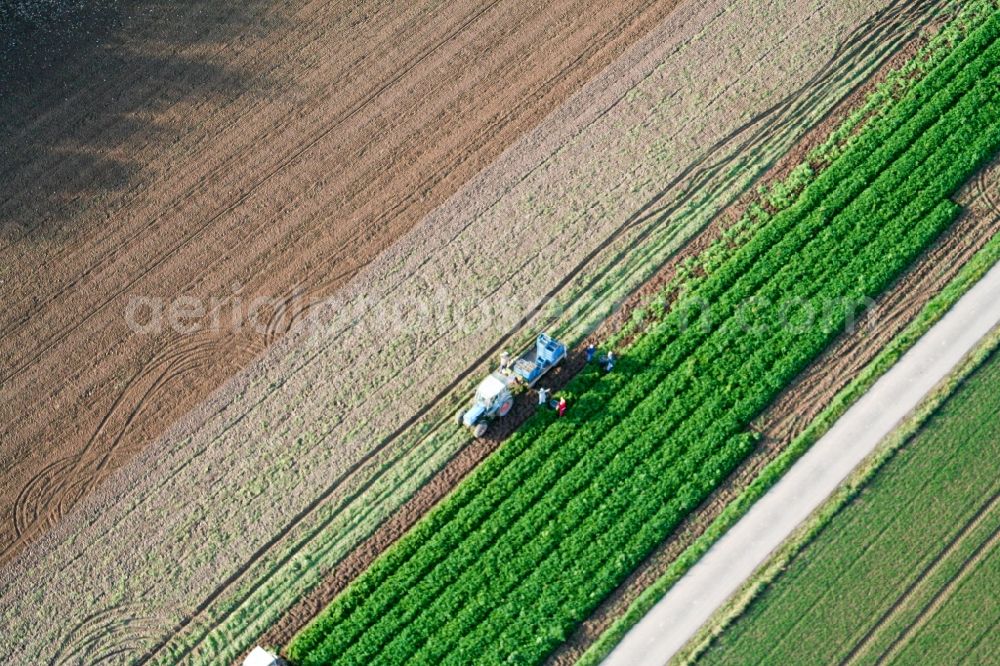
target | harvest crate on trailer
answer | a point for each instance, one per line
(495, 395)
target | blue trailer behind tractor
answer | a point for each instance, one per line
(495, 395)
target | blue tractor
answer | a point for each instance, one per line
(495, 395)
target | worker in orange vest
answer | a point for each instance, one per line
(561, 407)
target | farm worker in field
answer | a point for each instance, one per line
(505, 361)
(609, 362)
(543, 396)
(561, 407)
(590, 352)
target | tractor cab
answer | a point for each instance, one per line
(494, 397)
(261, 657)
(490, 390)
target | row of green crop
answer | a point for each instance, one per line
(569, 507)
(779, 195)
(932, 312)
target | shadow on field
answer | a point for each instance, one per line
(86, 83)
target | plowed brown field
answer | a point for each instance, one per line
(233, 165)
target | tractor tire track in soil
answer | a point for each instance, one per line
(54, 490)
(699, 175)
(232, 472)
(940, 595)
(108, 636)
(807, 397)
(56, 335)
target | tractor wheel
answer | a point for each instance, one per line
(480, 429)
(459, 417)
(505, 407)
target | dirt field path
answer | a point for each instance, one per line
(259, 492)
(692, 600)
(252, 160)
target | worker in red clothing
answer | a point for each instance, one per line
(561, 407)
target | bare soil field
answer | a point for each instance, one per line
(255, 496)
(224, 154)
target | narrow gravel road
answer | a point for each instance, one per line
(676, 618)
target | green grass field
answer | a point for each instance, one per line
(908, 572)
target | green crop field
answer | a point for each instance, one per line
(552, 522)
(908, 572)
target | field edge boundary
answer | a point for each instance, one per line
(930, 314)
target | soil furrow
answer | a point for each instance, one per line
(483, 123)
